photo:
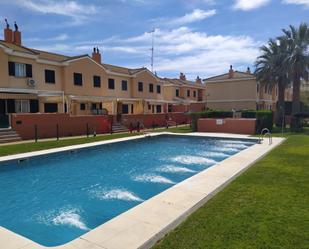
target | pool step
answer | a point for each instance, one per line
(117, 128)
(9, 136)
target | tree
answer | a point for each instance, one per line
(272, 72)
(297, 41)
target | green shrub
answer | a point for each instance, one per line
(209, 114)
(264, 119)
(248, 114)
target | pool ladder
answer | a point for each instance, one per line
(266, 132)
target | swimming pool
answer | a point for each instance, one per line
(56, 198)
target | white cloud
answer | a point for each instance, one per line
(61, 37)
(77, 11)
(247, 5)
(299, 2)
(195, 53)
(194, 16)
(179, 49)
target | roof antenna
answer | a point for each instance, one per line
(152, 48)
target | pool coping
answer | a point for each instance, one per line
(143, 225)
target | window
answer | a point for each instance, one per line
(124, 85)
(20, 69)
(34, 106)
(170, 108)
(82, 106)
(151, 88)
(188, 93)
(78, 79)
(194, 94)
(140, 86)
(111, 84)
(22, 106)
(96, 81)
(159, 109)
(125, 109)
(93, 106)
(50, 76)
(50, 107)
(158, 89)
(149, 107)
(177, 92)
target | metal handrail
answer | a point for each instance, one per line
(266, 132)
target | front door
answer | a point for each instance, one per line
(4, 118)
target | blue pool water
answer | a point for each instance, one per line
(56, 198)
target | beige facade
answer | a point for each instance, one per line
(239, 91)
(182, 92)
(37, 81)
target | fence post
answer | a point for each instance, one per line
(36, 133)
(87, 127)
(111, 125)
(57, 130)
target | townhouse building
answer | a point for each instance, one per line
(34, 81)
(237, 90)
(183, 95)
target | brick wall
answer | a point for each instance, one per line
(228, 125)
(68, 125)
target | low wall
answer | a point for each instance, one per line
(155, 119)
(228, 125)
(24, 125)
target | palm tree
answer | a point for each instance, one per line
(297, 40)
(271, 71)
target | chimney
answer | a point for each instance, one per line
(182, 76)
(198, 80)
(96, 55)
(248, 70)
(8, 33)
(16, 35)
(231, 72)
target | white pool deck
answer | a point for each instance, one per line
(143, 225)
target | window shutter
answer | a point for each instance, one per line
(28, 70)
(11, 68)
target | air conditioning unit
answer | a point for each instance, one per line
(31, 82)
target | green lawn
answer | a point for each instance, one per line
(43, 145)
(266, 207)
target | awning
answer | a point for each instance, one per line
(187, 101)
(17, 96)
(129, 99)
(156, 101)
(95, 99)
(20, 90)
(50, 94)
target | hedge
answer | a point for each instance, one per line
(209, 114)
(264, 119)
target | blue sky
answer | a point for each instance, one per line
(197, 37)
